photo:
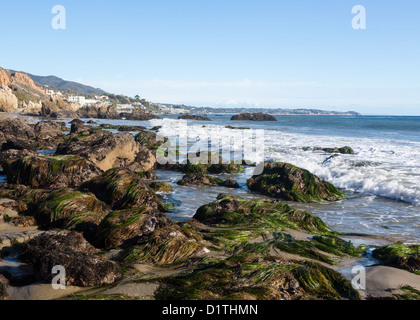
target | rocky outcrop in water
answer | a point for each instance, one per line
(193, 117)
(288, 182)
(140, 115)
(199, 179)
(254, 117)
(343, 150)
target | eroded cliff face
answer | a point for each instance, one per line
(19, 94)
(22, 79)
(8, 101)
(4, 78)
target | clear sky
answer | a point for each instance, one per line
(268, 53)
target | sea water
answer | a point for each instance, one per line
(381, 180)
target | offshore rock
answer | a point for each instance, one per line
(288, 182)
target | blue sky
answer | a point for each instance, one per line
(264, 53)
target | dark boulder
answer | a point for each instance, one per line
(49, 134)
(69, 249)
(193, 117)
(140, 115)
(254, 117)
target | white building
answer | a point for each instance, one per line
(77, 99)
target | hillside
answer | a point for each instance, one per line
(65, 86)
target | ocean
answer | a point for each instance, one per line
(381, 180)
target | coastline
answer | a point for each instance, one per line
(144, 279)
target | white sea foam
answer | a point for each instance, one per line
(379, 167)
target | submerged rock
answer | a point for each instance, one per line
(343, 150)
(209, 162)
(69, 249)
(254, 117)
(160, 186)
(199, 179)
(288, 182)
(123, 189)
(50, 172)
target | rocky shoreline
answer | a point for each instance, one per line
(94, 206)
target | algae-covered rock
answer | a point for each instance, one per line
(122, 189)
(62, 206)
(209, 162)
(160, 186)
(342, 150)
(399, 255)
(125, 227)
(199, 179)
(257, 277)
(233, 210)
(149, 140)
(288, 182)
(50, 172)
(326, 248)
(165, 246)
(82, 265)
